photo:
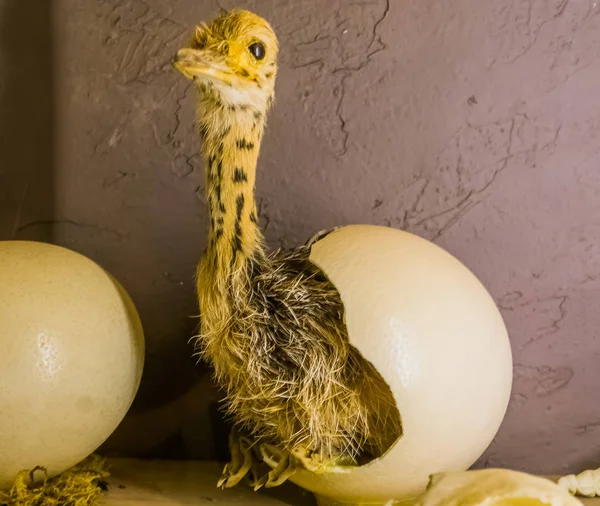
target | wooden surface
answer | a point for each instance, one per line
(172, 483)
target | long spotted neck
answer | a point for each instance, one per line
(231, 142)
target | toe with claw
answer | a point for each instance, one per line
(241, 461)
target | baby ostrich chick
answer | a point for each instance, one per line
(272, 325)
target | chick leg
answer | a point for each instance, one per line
(241, 461)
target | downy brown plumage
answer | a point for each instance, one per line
(272, 325)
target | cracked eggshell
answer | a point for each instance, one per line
(437, 338)
(494, 487)
(71, 356)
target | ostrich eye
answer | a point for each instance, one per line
(257, 50)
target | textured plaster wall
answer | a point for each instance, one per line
(473, 123)
(27, 140)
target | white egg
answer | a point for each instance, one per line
(437, 338)
(71, 357)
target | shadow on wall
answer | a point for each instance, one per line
(26, 120)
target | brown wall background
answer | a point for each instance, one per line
(475, 124)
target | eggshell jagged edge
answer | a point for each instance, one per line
(345, 469)
(489, 487)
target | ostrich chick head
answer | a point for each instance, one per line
(234, 59)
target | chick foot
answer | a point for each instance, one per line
(280, 472)
(242, 461)
(284, 464)
(254, 459)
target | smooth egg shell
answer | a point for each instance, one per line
(437, 338)
(71, 357)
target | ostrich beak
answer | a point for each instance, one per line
(193, 63)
